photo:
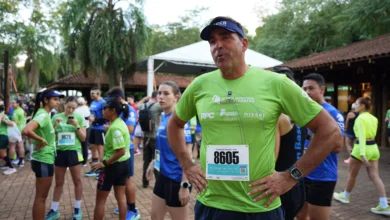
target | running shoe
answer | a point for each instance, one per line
(84, 165)
(381, 211)
(15, 162)
(21, 164)
(78, 214)
(132, 215)
(9, 171)
(137, 152)
(51, 215)
(91, 173)
(341, 198)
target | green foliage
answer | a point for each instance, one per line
(104, 38)
(304, 27)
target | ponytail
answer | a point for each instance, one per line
(37, 103)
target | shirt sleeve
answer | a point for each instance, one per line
(42, 119)
(361, 136)
(296, 103)
(339, 118)
(118, 140)
(132, 117)
(186, 108)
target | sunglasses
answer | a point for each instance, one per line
(93, 93)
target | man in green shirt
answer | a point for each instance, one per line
(238, 107)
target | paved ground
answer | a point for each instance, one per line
(17, 194)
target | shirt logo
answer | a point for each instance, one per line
(118, 138)
(228, 114)
(207, 115)
(254, 115)
(222, 100)
(306, 96)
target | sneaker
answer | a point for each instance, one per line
(341, 198)
(21, 164)
(137, 152)
(381, 211)
(84, 165)
(9, 171)
(132, 215)
(77, 215)
(347, 160)
(116, 211)
(145, 185)
(15, 162)
(91, 173)
(51, 215)
(140, 147)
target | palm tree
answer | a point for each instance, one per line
(102, 37)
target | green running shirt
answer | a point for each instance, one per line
(46, 131)
(66, 134)
(117, 137)
(243, 111)
(365, 128)
(4, 126)
(19, 116)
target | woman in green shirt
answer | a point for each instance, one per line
(41, 130)
(115, 161)
(19, 118)
(70, 130)
(365, 152)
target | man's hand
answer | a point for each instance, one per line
(96, 166)
(41, 144)
(149, 171)
(184, 196)
(272, 186)
(195, 176)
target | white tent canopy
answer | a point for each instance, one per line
(194, 59)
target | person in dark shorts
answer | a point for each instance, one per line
(290, 142)
(71, 131)
(96, 135)
(172, 190)
(320, 183)
(349, 133)
(41, 130)
(115, 162)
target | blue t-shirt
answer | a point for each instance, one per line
(327, 170)
(169, 165)
(198, 128)
(130, 120)
(187, 132)
(96, 110)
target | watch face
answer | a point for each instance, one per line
(185, 185)
(296, 173)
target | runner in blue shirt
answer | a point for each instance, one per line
(320, 183)
(172, 190)
(97, 133)
(130, 121)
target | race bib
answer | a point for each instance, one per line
(157, 161)
(66, 139)
(227, 162)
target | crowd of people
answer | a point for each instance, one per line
(268, 148)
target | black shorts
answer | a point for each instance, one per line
(113, 175)
(42, 169)
(203, 212)
(67, 158)
(3, 142)
(168, 190)
(293, 200)
(96, 137)
(131, 163)
(388, 132)
(319, 193)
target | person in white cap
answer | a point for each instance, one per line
(83, 110)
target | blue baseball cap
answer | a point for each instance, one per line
(51, 93)
(221, 23)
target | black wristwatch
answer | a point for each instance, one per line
(295, 173)
(185, 185)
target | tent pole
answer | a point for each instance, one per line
(150, 76)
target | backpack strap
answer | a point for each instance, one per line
(151, 105)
